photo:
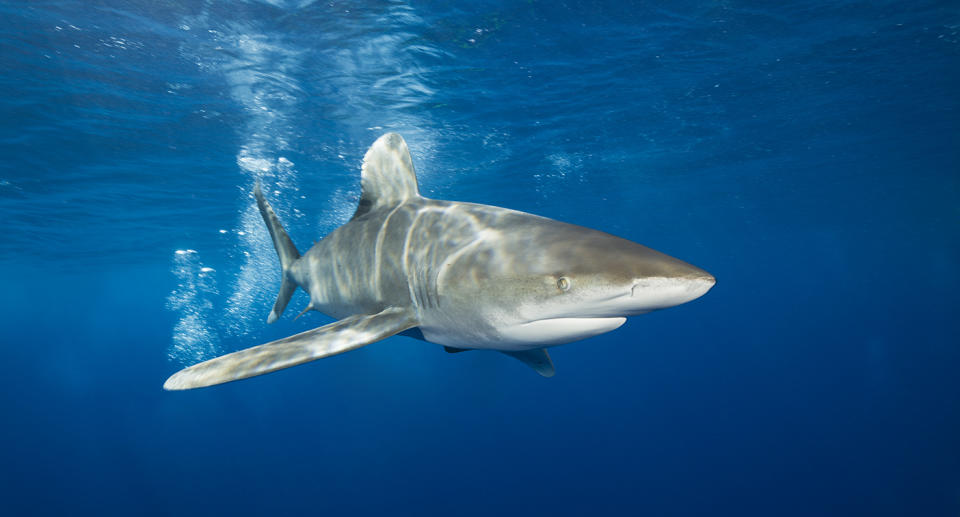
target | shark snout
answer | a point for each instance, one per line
(703, 279)
(651, 293)
(699, 284)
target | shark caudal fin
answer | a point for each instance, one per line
(285, 250)
(387, 177)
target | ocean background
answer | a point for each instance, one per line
(807, 153)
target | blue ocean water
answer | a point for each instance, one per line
(807, 153)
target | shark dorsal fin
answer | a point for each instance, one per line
(387, 178)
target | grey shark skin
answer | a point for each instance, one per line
(468, 276)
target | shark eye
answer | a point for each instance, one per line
(563, 284)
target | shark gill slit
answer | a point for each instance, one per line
(429, 289)
(432, 290)
(422, 287)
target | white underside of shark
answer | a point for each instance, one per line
(466, 276)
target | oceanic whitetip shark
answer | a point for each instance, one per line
(462, 275)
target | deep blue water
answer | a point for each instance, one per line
(807, 153)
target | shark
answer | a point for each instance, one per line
(462, 275)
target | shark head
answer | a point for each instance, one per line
(544, 282)
(595, 274)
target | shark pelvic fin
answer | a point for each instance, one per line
(537, 359)
(285, 250)
(347, 334)
(304, 311)
(387, 177)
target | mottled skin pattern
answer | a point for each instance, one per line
(469, 276)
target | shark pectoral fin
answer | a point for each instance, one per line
(537, 359)
(452, 350)
(338, 337)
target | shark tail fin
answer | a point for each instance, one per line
(285, 250)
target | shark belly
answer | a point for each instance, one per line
(523, 336)
(557, 331)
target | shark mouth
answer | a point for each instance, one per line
(555, 331)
